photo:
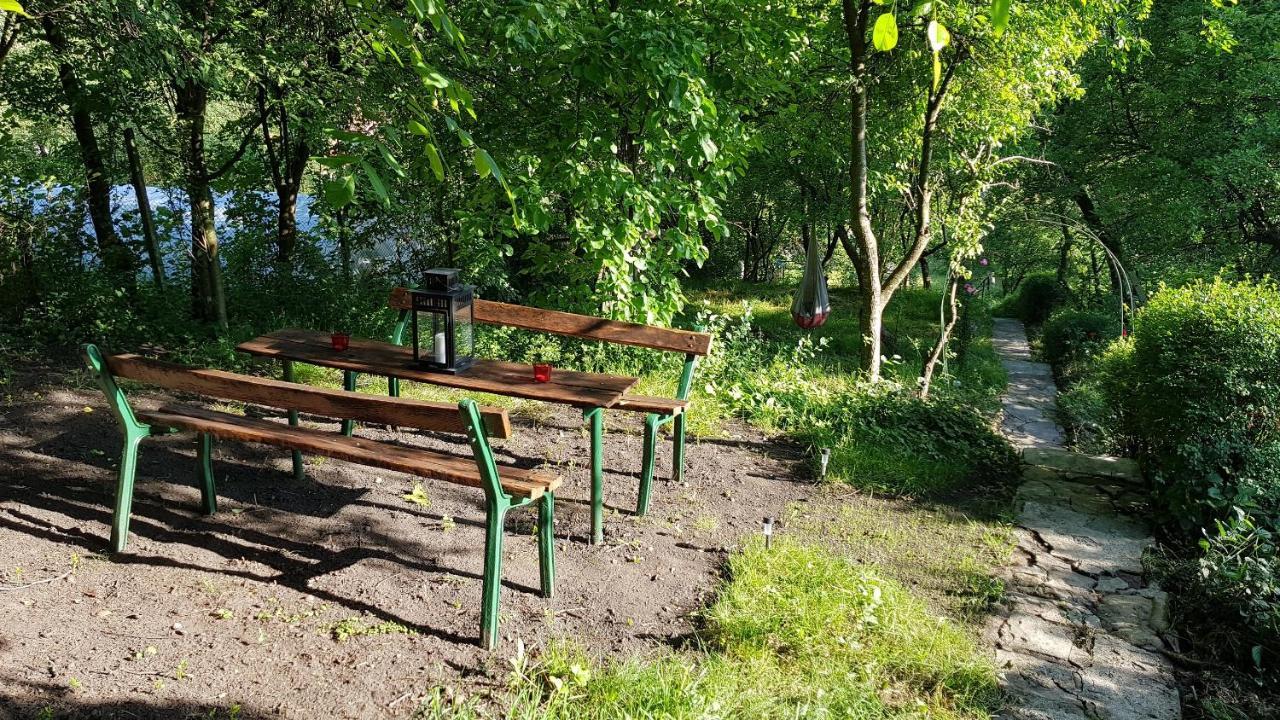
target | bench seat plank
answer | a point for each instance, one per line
(651, 404)
(400, 412)
(415, 461)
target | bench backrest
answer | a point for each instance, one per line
(580, 326)
(403, 412)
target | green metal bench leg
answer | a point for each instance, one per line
(547, 542)
(348, 384)
(124, 488)
(494, 520)
(648, 461)
(677, 449)
(393, 387)
(293, 420)
(208, 490)
(595, 416)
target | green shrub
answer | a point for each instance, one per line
(1038, 296)
(1205, 405)
(1071, 336)
(1096, 407)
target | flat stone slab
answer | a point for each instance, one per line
(1078, 464)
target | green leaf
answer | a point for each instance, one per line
(341, 191)
(885, 34)
(937, 70)
(14, 7)
(709, 147)
(418, 128)
(337, 162)
(1000, 15)
(437, 165)
(939, 36)
(486, 165)
(375, 180)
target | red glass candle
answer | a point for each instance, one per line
(340, 341)
(542, 372)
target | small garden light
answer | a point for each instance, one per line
(824, 458)
(767, 529)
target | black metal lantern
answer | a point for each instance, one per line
(442, 319)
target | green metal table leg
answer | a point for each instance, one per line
(495, 517)
(293, 420)
(647, 461)
(348, 384)
(124, 487)
(595, 416)
(393, 387)
(546, 542)
(208, 490)
(677, 449)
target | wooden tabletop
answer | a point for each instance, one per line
(567, 387)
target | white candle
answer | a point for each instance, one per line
(439, 348)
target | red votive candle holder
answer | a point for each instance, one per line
(341, 341)
(541, 372)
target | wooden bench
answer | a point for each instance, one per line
(658, 410)
(504, 488)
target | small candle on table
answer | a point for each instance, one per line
(439, 348)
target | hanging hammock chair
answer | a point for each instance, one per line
(811, 306)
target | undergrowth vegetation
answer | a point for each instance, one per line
(796, 631)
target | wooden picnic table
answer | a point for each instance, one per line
(593, 393)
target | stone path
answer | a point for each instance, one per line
(1079, 634)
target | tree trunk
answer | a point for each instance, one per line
(139, 181)
(115, 255)
(867, 258)
(1094, 221)
(1064, 255)
(944, 335)
(925, 281)
(208, 296)
(286, 224)
(9, 31)
(287, 162)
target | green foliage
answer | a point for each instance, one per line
(1072, 336)
(882, 436)
(1039, 295)
(1206, 408)
(796, 630)
(1240, 567)
(1096, 406)
(354, 627)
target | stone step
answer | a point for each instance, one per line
(1079, 464)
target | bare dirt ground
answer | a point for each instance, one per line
(240, 614)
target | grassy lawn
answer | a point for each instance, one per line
(797, 631)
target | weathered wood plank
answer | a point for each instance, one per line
(567, 387)
(415, 461)
(647, 403)
(402, 412)
(579, 326)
